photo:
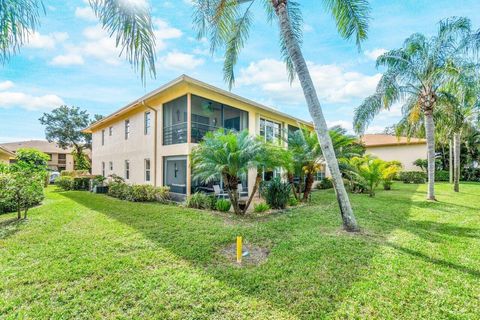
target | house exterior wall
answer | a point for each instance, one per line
(55, 163)
(140, 146)
(4, 158)
(406, 154)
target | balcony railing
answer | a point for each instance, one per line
(175, 134)
(199, 130)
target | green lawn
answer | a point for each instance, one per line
(90, 256)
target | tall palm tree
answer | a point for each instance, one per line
(227, 24)
(129, 22)
(414, 75)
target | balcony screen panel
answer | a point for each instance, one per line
(175, 121)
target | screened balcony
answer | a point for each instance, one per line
(206, 115)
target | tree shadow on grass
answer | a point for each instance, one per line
(311, 260)
(9, 227)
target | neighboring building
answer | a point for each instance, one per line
(6, 155)
(149, 140)
(60, 159)
(389, 147)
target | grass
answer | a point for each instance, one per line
(90, 256)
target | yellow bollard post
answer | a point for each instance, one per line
(239, 249)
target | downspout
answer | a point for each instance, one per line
(154, 142)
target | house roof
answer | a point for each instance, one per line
(7, 152)
(42, 145)
(186, 79)
(378, 140)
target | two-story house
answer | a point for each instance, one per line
(149, 140)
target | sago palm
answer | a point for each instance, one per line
(414, 75)
(226, 23)
(129, 22)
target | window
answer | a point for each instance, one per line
(110, 165)
(147, 121)
(103, 169)
(103, 137)
(127, 129)
(270, 130)
(147, 169)
(110, 131)
(62, 158)
(175, 121)
(127, 169)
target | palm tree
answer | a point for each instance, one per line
(129, 22)
(459, 110)
(227, 23)
(414, 75)
(226, 156)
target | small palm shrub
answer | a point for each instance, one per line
(138, 193)
(198, 200)
(417, 177)
(223, 205)
(118, 190)
(292, 202)
(276, 193)
(261, 207)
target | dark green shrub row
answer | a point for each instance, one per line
(413, 176)
(325, 183)
(442, 175)
(70, 183)
(138, 192)
(471, 174)
(276, 193)
(223, 205)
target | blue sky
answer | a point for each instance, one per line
(70, 60)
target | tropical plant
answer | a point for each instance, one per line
(227, 24)
(415, 74)
(421, 163)
(198, 200)
(227, 156)
(276, 193)
(129, 22)
(223, 205)
(261, 207)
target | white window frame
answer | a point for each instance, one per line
(127, 129)
(127, 170)
(147, 122)
(110, 131)
(103, 137)
(268, 122)
(110, 165)
(148, 170)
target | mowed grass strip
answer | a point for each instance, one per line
(81, 255)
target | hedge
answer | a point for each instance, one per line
(413, 176)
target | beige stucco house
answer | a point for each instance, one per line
(6, 155)
(390, 147)
(60, 159)
(149, 140)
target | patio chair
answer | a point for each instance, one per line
(241, 191)
(219, 193)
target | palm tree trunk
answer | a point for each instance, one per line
(456, 162)
(258, 179)
(430, 135)
(450, 161)
(308, 186)
(295, 53)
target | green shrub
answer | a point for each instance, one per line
(325, 183)
(223, 205)
(138, 193)
(261, 207)
(413, 177)
(81, 183)
(276, 193)
(64, 182)
(442, 175)
(212, 205)
(74, 173)
(471, 174)
(387, 184)
(292, 202)
(198, 200)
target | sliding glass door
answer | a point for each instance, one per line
(175, 174)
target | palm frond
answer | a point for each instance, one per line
(351, 17)
(131, 25)
(18, 20)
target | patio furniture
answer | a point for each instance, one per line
(219, 193)
(241, 191)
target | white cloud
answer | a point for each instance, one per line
(375, 53)
(333, 83)
(29, 102)
(49, 41)
(4, 85)
(99, 45)
(163, 31)
(67, 60)
(85, 13)
(180, 61)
